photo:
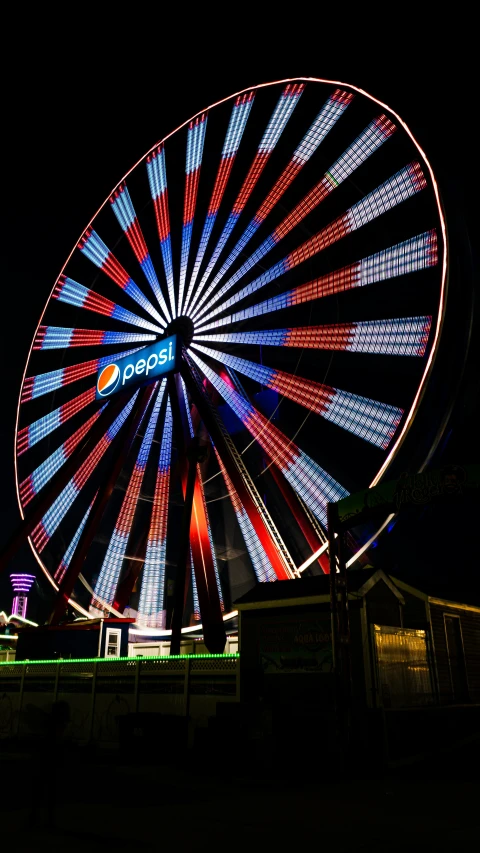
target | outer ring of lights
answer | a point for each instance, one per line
(399, 439)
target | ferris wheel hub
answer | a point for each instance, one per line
(182, 326)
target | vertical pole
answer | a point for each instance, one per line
(344, 644)
(237, 679)
(94, 696)
(137, 685)
(344, 620)
(197, 536)
(331, 515)
(20, 699)
(55, 689)
(332, 548)
(186, 688)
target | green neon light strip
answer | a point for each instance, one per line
(163, 659)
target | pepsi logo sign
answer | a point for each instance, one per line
(108, 380)
(146, 365)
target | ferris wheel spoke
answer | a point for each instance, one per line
(417, 253)
(47, 383)
(66, 559)
(109, 576)
(238, 119)
(30, 435)
(371, 420)
(281, 114)
(195, 143)
(406, 336)
(45, 529)
(401, 186)
(71, 292)
(92, 246)
(152, 591)
(127, 218)
(200, 524)
(328, 116)
(195, 600)
(265, 528)
(260, 562)
(58, 337)
(314, 485)
(31, 485)
(157, 179)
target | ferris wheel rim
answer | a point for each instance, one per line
(441, 308)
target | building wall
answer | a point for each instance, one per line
(470, 631)
(414, 611)
(45, 644)
(286, 654)
(383, 607)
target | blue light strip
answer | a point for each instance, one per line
(314, 485)
(73, 293)
(57, 337)
(107, 581)
(238, 120)
(406, 336)
(125, 213)
(260, 562)
(59, 508)
(195, 143)
(209, 529)
(67, 557)
(99, 254)
(157, 178)
(325, 120)
(417, 253)
(46, 470)
(369, 419)
(46, 383)
(281, 114)
(152, 592)
(401, 186)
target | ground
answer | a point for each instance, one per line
(102, 799)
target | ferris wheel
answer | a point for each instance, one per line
(289, 240)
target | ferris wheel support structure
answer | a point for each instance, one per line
(193, 535)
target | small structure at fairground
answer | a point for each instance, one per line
(414, 677)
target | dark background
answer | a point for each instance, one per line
(83, 99)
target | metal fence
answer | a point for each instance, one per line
(99, 692)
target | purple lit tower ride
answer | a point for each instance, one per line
(22, 584)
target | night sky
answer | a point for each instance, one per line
(75, 120)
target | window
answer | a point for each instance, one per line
(403, 670)
(112, 644)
